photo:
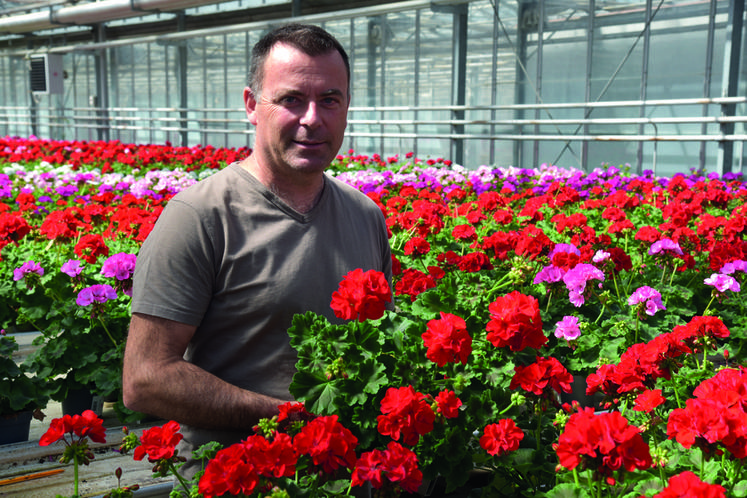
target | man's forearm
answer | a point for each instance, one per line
(192, 396)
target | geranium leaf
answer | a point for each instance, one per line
(567, 490)
(740, 489)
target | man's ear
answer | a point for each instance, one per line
(250, 105)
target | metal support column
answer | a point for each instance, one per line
(101, 99)
(295, 8)
(644, 85)
(459, 79)
(538, 78)
(525, 25)
(707, 79)
(587, 89)
(730, 84)
(182, 80)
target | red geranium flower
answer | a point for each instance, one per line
(648, 400)
(448, 404)
(328, 442)
(361, 295)
(501, 437)
(464, 233)
(542, 377)
(447, 340)
(688, 485)
(229, 472)
(515, 322)
(413, 282)
(90, 247)
(158, 442)
(85, 425)
(406, 414)
(417, 246)
(605, 442)
(397, 464)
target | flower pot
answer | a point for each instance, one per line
(14, 428)
(77, 401)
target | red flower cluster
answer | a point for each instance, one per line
(90, 247)
(447, 404)
(397, 464)
(406, 414)
(515, 322)
(242, 467)
(542, 378)
(501, 437)
(716, 417)
(12, 228)
(688, 485)
(447, 340)
(86, 425)
(701, 332)
(329, 444)
(605, 442)
(158, 443)
(639, 367)
(361, 295)
(412, 282)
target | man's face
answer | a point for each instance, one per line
(301, 114)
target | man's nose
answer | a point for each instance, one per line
(311, 116)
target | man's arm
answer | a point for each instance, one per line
(158, 381)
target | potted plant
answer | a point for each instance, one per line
(21, 395)
(81, 309)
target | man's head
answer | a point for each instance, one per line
(298, 104)
(312, 40)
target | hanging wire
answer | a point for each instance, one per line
(615, 73)
(607, 85)
(524, 70)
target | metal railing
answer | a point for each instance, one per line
(412, 124)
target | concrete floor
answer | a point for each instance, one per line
(45, 477)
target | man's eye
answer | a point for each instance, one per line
(288, 100)
(330, 101)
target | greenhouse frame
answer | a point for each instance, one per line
(656, 84)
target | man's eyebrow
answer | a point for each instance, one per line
(333, 91)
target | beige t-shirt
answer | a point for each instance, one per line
(229, 257)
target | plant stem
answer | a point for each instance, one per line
(183, 482)
(108, 333)
(733, 480)
(75, 476)
(713, 296)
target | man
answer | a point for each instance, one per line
(234, 257)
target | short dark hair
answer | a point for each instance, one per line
(311, 40)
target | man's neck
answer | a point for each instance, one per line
(300, 195)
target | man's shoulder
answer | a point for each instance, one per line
(214, 189)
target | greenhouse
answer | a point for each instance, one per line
(655, 84)
(373, 249)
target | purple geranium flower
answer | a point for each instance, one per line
(650, 297)
(100, 293)
(734, 267)
(722, 282)
(119, 266)
(568, 328)
(549, 274)
(664, 245)
(576, 278)
(71, 268)
(29, 267)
